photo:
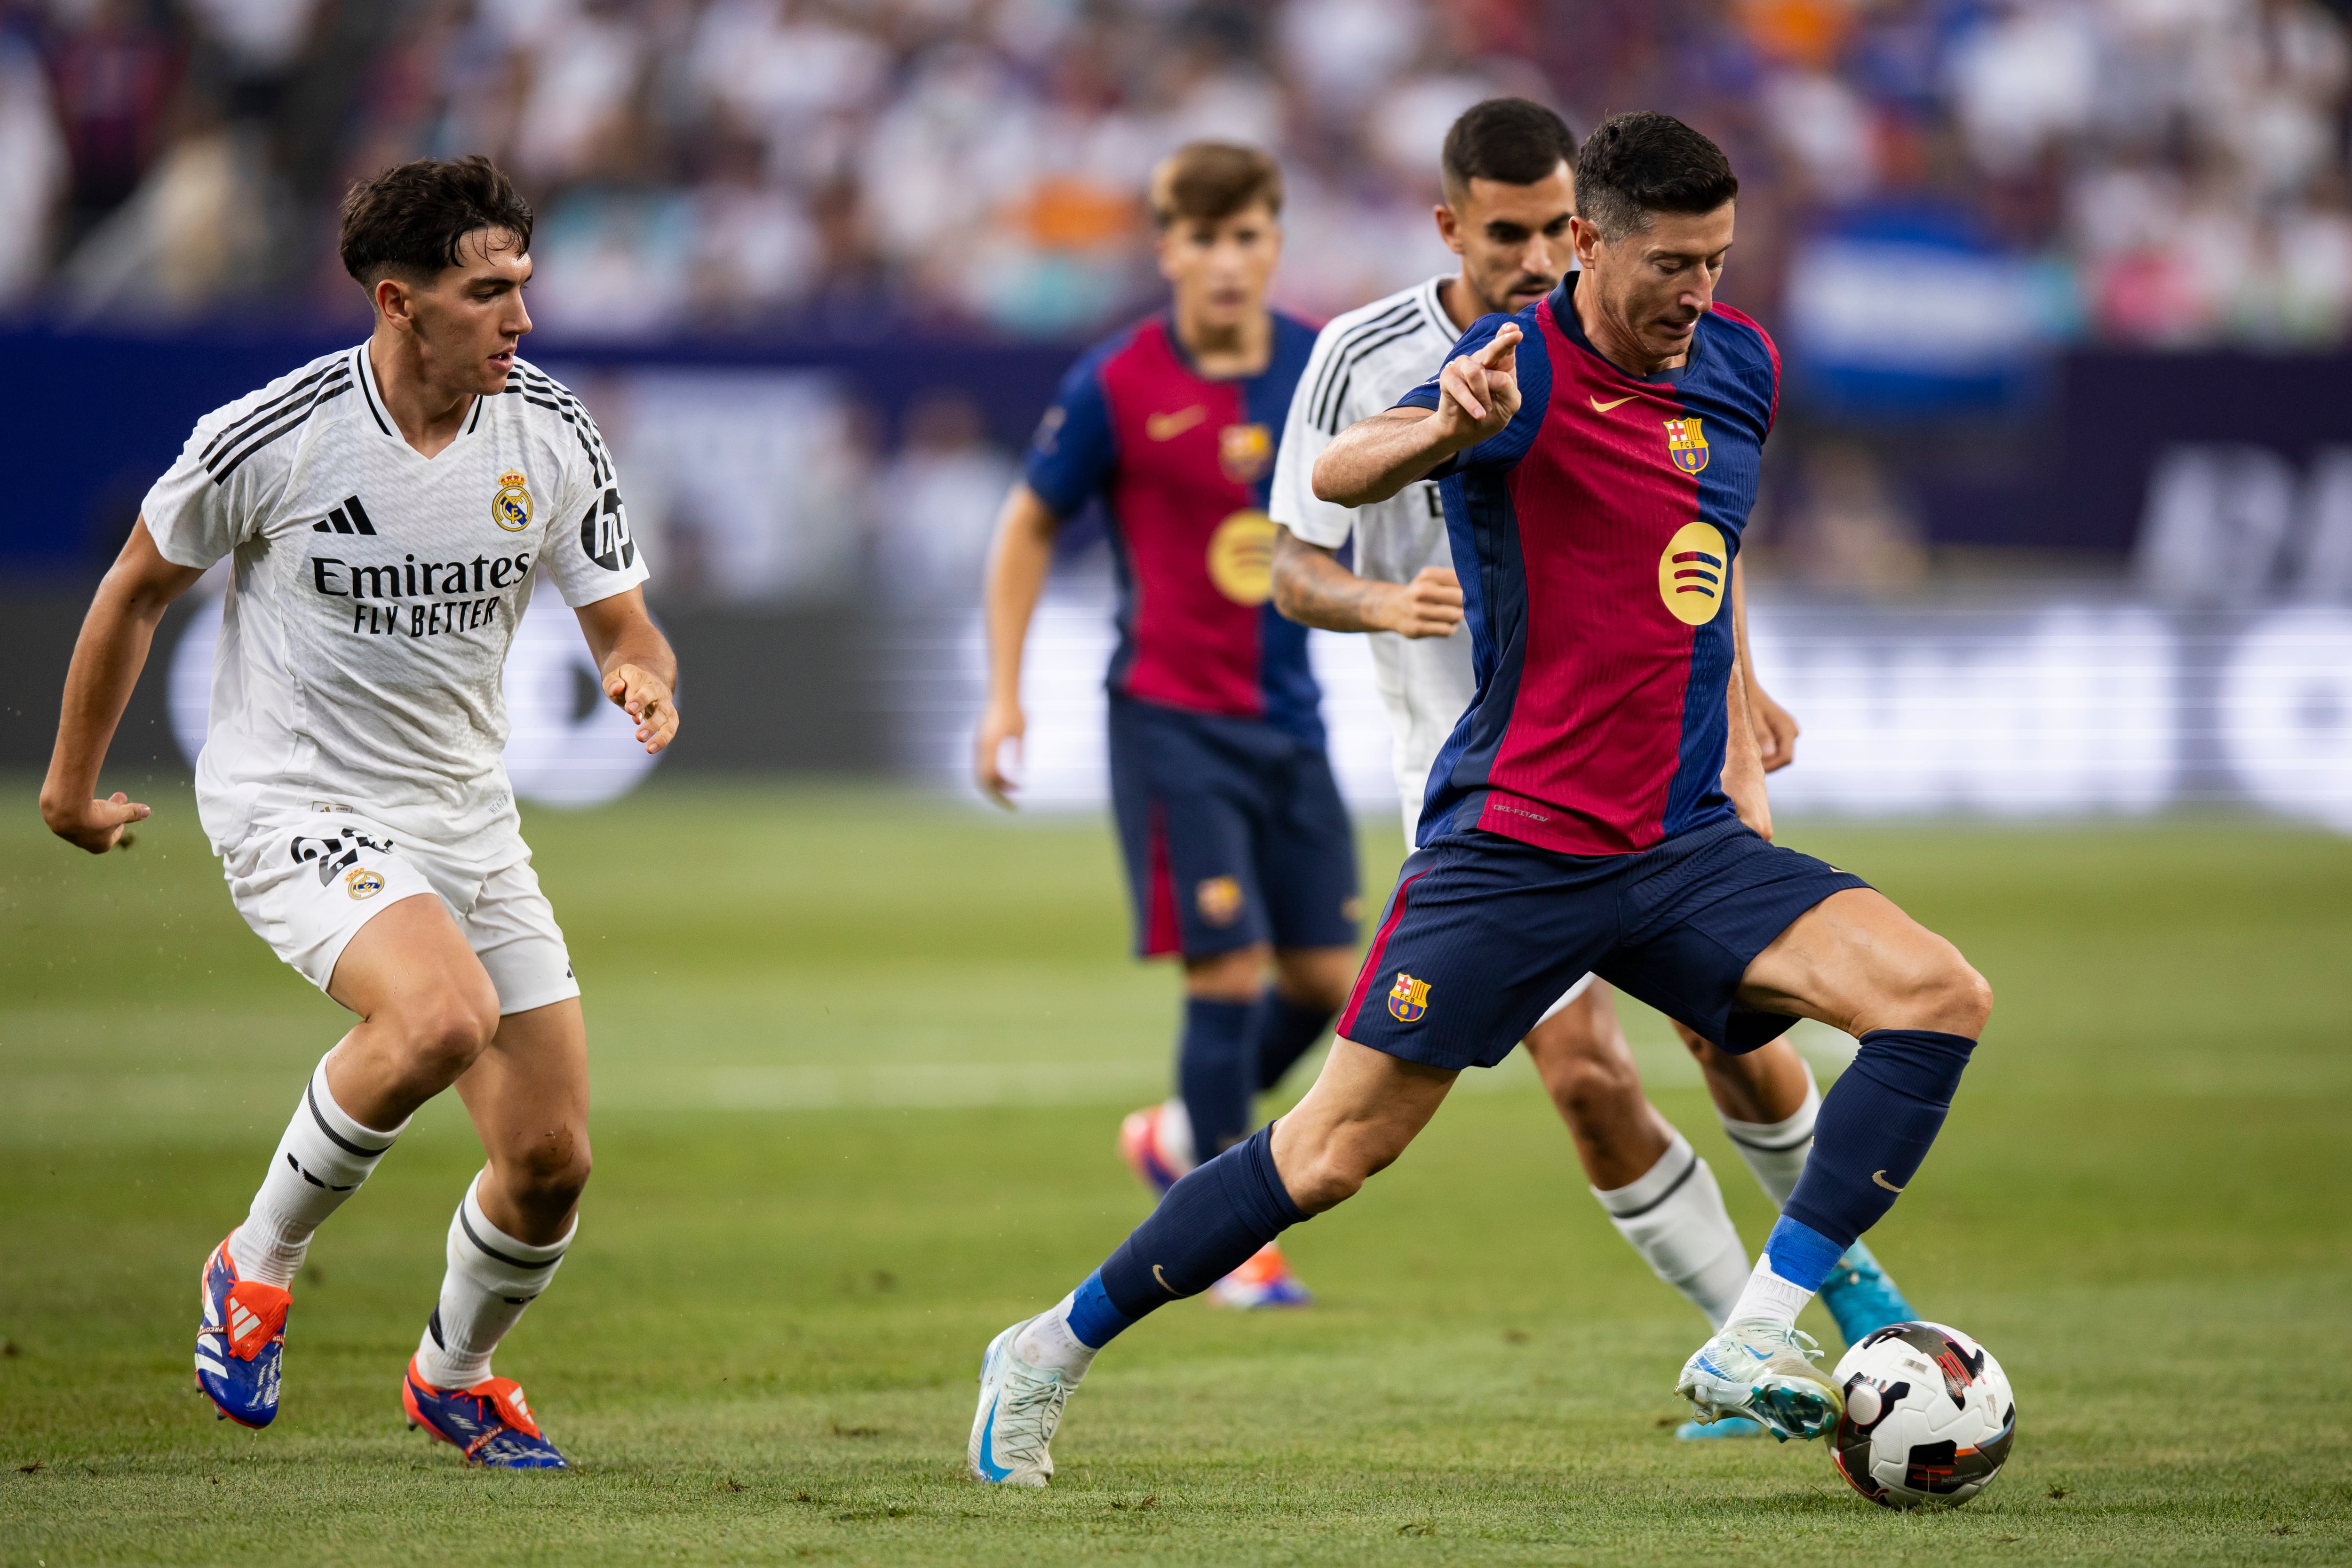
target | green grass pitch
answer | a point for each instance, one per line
(860, 1059)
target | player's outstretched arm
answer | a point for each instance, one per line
(1776, 727)
(1312, 588)
(1018, 564)
(639, 672)
(107, 659)
(1374, 459)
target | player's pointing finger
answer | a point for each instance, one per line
(1501, 350)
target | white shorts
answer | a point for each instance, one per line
(306, 880)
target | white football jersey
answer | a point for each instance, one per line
(1364, 362)
(375, 591)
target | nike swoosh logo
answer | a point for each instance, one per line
(988, 1464)
(1880, 1177)
(1168, 426)
(1601, 407)
(1163, 1282)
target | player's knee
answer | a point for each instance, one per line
(1968, 1000)
(1947, 993)
(1590, 1085)
(549, 1176)
(446, 1032)
(1332, 1174)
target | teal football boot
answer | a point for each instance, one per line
(1861, 1297)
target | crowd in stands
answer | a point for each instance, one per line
(702, 167)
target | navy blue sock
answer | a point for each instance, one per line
(1876, 1126)
(1205, 1227)
(1285, 1030)
(1216, 1072)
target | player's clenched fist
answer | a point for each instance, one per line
(1428, 606)
(645, 698)
(1478, 392)
(97, 826)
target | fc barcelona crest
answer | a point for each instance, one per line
(1686, 445)
(1408, 998)
(1244, 452)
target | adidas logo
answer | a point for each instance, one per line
(349, 518)
(241, 1320)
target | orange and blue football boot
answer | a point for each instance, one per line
(240, 1343)
(489, 1423)
(1157, 1144)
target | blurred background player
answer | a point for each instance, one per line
(1240, 854)
(385, 509)
(1507, 166)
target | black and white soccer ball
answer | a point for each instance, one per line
(1928, 1416)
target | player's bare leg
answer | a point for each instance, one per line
(1660, 1196)
(1364, 1109)
(426, 1009)
(1858, 964)
(528, 1094)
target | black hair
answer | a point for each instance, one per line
(1512, 140)
(1636, 165)
(414, 219)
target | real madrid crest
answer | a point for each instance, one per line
(510, 507)
(1686, 445)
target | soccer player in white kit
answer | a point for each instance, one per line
(1509, 195)
(386, 511)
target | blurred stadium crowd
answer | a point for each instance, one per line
(2174, 171)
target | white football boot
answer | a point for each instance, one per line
(1764, 1371)
(1020, 1407)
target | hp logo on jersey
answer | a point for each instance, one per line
(604, 534)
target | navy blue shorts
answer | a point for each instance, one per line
(1483, 933)
(1234, 833)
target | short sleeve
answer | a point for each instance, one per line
(1509, 444)
(590, 553)
(1293, 502)
(198, 511)
(1071, 456)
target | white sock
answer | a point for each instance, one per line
(1673, 1216)
(1776, 1150)
(320, 1162)
(1770, 1297)
(492, 1278)
(1048, 1342)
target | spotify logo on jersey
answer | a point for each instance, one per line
(1695, 574)
(1241, 558)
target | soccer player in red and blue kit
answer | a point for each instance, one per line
(1239, 852)
(1576, 819)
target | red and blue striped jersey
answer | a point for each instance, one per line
(1594, 535)
(1182, 463)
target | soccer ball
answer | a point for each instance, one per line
(1928, 1416)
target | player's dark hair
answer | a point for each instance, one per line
(1514, 141)
(412, 219)
(1208, 182)
(1636, 165)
